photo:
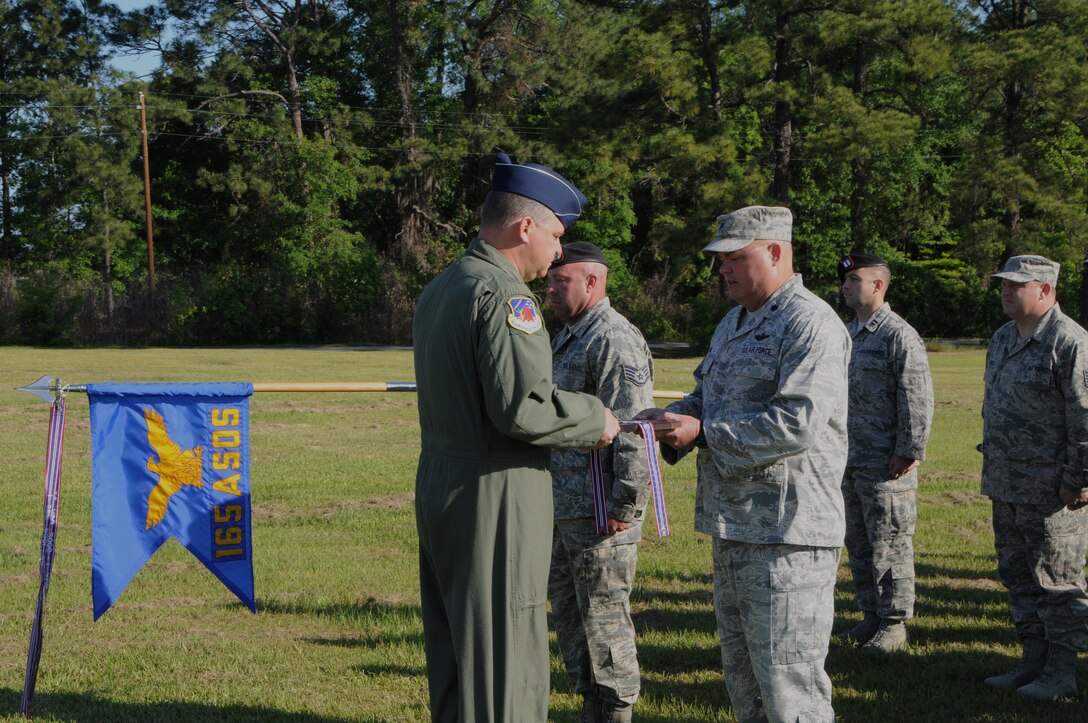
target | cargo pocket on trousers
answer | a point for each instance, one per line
(621, 673)
(797, 618)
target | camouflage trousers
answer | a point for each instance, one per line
(775, 605)
(1040, 559)
(590, 589)
(880, 519)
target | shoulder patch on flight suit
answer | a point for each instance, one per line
(523, 315)
(1086, 377)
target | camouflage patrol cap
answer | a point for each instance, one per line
(751, 223)
(1030, 268)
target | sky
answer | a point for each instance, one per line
(141, 65)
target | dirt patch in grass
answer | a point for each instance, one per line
(958, 498)
(942, 475)
(393, 502)
(281, 512)
(162, 604)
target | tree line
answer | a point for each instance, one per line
(313, 163)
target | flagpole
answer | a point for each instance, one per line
(334, 387)
(46, 387)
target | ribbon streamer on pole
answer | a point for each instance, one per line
(600, 504)
(657, 488)
(54, 456)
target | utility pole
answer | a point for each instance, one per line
(1084, 293)
(147, 202)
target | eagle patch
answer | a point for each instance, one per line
(523, 315)
(636, 375)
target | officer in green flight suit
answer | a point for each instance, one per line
(489, 414)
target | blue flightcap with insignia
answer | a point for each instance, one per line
(541, 184)
(751, 223)
(1030, 268)
(859, 261)
(579, 251)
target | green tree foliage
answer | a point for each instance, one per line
(1021, 186)
(315, 162)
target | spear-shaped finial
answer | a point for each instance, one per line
(44, 388)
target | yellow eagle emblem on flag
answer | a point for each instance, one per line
(176, 467)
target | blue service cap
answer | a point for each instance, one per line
(541, 184)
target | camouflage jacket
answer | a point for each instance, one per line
(1035, 411)
(771, 394)
(891, 392)
(605, 355)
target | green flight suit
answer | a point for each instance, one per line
(489, 412)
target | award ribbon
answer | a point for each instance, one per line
(54, 454)
(657, 489)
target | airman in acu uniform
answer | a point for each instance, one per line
(891, 409)
(768, 414)
(1035, 471)
(600, 352)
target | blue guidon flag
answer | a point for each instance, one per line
(169, 460)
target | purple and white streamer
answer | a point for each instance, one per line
(54, 456)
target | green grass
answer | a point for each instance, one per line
(337, 633)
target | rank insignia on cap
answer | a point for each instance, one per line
(523, 315)
(635, 375)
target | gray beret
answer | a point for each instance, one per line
(738, 229)
(1030, 268)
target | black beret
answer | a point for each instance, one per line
(859, 261)
(578, 251)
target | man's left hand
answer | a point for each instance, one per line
(1073, 500)
(683, 435)
(899, 466)
(615, 525)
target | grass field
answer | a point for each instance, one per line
(337, 633)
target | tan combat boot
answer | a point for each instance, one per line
(864, 631)
(1031, 664)
(591, 708)
(1058, 679)
(616, 714)
(891, 635)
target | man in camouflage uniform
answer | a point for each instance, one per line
(1035, 471)
(489, 412)
(768, 414)
(601, 353)
(891, 408)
